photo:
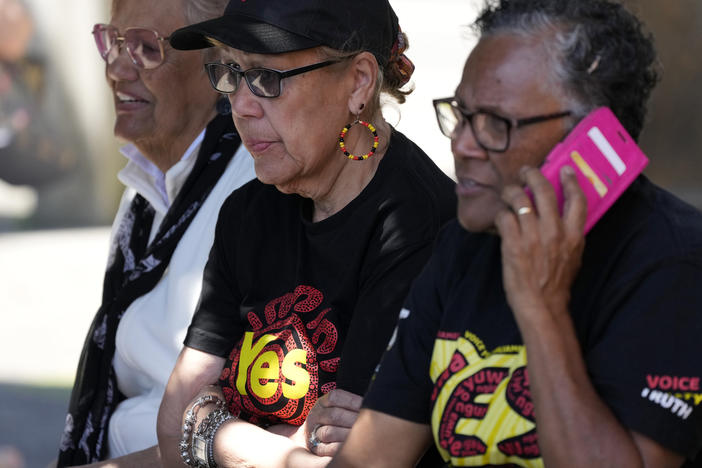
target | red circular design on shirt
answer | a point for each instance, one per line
(283, 332)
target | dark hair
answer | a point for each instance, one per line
(600, 51)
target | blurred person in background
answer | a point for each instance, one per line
(16, 28)
(525, 342)
(184, 158)
(298, 304)
(36, 147)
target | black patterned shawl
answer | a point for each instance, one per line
(134, 269)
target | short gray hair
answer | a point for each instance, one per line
(598, 51)
(196, 11)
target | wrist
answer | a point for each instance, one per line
(219, 438)
(539, 314)
(537, 303)
(203, 439)
(196, 440)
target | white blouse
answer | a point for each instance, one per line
(151, 331)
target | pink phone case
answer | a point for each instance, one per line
(605, 158)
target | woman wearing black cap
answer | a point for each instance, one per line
(311, 261)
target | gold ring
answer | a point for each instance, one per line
(523, 210)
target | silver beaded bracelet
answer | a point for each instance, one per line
(185, 445)
(203, 438)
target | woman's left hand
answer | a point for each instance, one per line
(541, 250)
(329, 422)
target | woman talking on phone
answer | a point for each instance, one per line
(524, 342)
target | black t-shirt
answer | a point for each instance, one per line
(300, 308)
(458, 361)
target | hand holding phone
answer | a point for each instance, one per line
(605, 158)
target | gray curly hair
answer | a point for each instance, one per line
(599, 51)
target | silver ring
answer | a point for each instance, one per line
(523, 210)
(313, 440)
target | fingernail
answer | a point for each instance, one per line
(568, 170)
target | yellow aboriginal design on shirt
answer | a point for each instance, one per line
(482, 409)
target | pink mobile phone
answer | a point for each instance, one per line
(605, 158)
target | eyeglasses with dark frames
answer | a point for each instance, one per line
(263, 82)
(491, 131)
(144, 46)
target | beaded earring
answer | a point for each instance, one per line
(345, 131)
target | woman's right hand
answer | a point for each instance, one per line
(541, 250)
(329, 422)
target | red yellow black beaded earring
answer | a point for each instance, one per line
(345, 131)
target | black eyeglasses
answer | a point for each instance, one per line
(263, 82)
(491, 131)
(144, 46)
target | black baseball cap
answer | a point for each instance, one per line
(278, 26)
